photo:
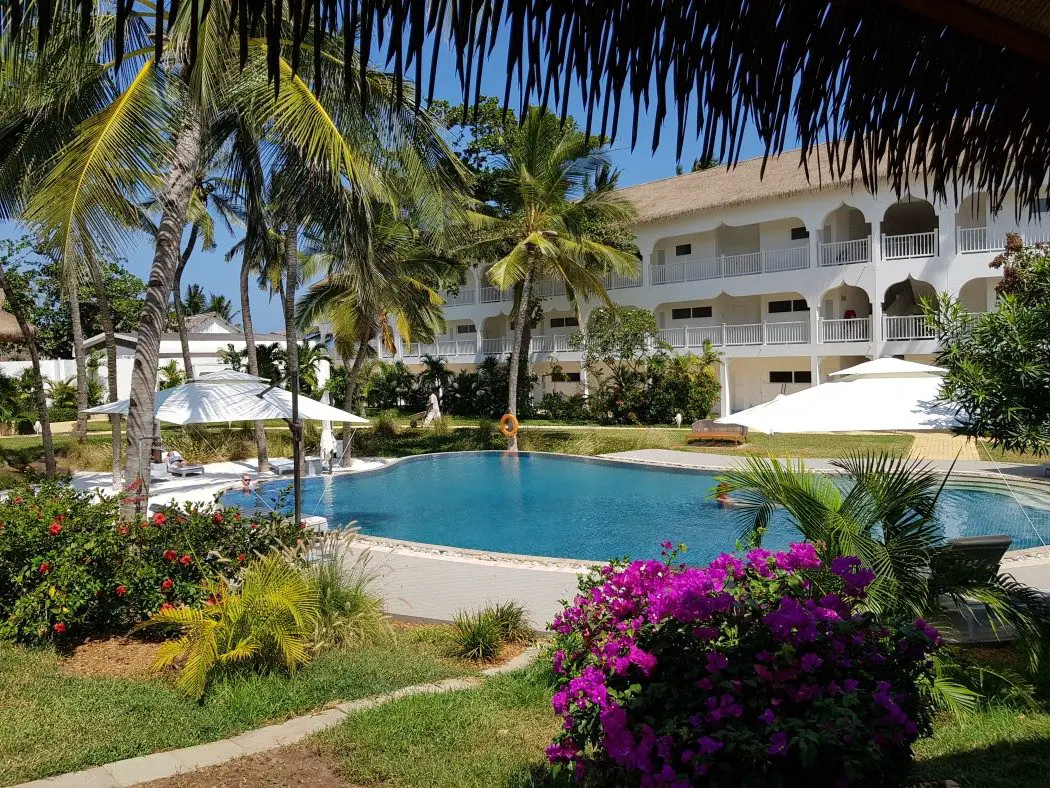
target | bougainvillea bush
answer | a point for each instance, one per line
(68, 570)
(759, 670)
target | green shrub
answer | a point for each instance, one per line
(349, 614)
(476, 635)
(385, 424)
(441, 427)
(513, 622)
(487, 434)
(267, 621)
(56, 413)
(68, 570)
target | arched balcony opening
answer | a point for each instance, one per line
(909, 230)
(902, 310)
(845, 238)
(973, 230)
(978, 295)
(845, 315)
(495, 339)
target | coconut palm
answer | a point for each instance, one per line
(552, 185)
(195, 301)
(161, 124)
(882, 509)
(221, 306)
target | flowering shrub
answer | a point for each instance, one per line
(68, 570)
(752, 671)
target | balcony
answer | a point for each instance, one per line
(465, 297)
(613, 281)
(972, 240)
(686, 337)
(850, 329)
(897, 328)
(902, 247)
(447, 348)
(845, 252)
(695, 270)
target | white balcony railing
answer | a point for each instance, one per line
(901, 327)
(614, 281)
(737, 335)
(696, 269)
(545, 288)
(466, 347)
(490, 295)
(851, 329)
(979, 239)
(845, 252)
(901, 247)
(464, 297)
(494, 346)
(790, 333)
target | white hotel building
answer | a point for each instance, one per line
(791, 279)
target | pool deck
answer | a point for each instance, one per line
(434, 583)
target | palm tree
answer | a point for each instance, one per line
(63, 393)
(221, 306)
(80, 357)
(195, 301)
(157, 127)
(553, 184)
(883, 511)
(171, 376)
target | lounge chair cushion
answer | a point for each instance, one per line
(186, 469)
(282, 465)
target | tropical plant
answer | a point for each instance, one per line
(231, 357)
(171, 375)
(221, 306)
(766, 666)
(475, 635)
(549, 186)
(267, 619)
(998, 363)
(349, 611)
(883, 511)
(63, 393)
(513, 621)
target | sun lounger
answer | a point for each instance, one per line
(281, 465)
(158, 472)
(186, 469)
(969, 622)
(709, 430)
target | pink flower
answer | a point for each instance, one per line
(167, 584)
(55, 529)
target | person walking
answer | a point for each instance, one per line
(433, 408)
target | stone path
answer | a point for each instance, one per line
(943, 446)
(133, 771)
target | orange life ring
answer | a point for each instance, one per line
(508, 425)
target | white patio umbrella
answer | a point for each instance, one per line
(225, 399)
(886, 394)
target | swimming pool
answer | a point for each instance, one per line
(571, 507)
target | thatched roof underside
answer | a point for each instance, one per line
(953, 91)
(9, 330)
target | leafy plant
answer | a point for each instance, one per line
(513, 621)
(766, 666)
(385, 425)
(171, 375)
(268, 619)
(476, 635)
(349, 613)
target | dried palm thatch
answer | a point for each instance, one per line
(9, 330)
(948, 91)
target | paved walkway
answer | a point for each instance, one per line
(145, 768)
(943, 446)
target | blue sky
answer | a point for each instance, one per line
(210, 269)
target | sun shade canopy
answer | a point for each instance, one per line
(946, 91)
(217, 401)
(882, 395)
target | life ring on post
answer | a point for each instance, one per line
(508, 425)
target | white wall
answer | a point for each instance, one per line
(66, 368)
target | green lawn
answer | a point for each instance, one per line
(491, 736)
(52, 723)
(988, 453)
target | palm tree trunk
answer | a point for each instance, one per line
(80, 430)
(252, 356)
(352, 371)
(175, 201)
(521, 334)
(180, 313)
(110, 332)
(291, 278)
(38, 380)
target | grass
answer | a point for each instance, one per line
(988, 452)
(52, 723)
(493, 735)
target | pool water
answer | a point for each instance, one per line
(578, 508)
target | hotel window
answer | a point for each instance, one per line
(564, 322)
(572, 377)
(681, 314)
(466, 329)
(702, 311)
(803, 376)
(1041, 206)
(799, 233)
(780, 377)
(681, 250)
(799, 305)
(776, 307)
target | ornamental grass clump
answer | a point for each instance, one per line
(759, 670)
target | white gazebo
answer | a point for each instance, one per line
(884, 395)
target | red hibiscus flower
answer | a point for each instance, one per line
(167, 584)
(18, 501)
(159, 518)
(170, 555)
(121, 590)
(59, 628)
(167, 606)
(123, 530)
(45, 568)
(240, 557)
(55, 529)
(216, 518)
(185, 560)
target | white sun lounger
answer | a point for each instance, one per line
(186, 469)
(281, 465)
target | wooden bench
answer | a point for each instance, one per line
(708, 430)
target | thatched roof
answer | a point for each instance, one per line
(9, 330)
(719, 187)
(954, 88)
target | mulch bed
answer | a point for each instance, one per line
(298, 765)
(119, 658)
